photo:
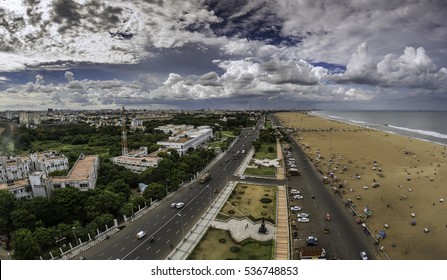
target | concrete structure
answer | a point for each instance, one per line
(82, 176)
(136, 124)
(20, 188)
(31, 117)
(185, 139)
(38, 181)
(138, 160)
(16, 168)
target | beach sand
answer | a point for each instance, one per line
(413, 181)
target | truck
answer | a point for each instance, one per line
(205, 177)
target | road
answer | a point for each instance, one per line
(167, 226)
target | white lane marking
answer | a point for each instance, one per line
(158, 251)
(115, 245)
(123, 249)
(148, 248)
(168, 229)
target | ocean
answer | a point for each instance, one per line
(426, 125)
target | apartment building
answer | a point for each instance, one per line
(138, 160)
(20, 188)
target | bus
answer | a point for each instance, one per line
(205, 177)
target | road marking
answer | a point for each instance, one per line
(148, 248)
(127, 237)
(169, 241)
(136, 258)
(168, 229)
(115, 245)
(157, 215)
(109, 258)
(164, 217)
(155, 224)
(177, 232)
(101, 254)
(123, 249)
(158, 251)
(176, 222)
(192, 216)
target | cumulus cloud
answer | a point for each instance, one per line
(413, 69)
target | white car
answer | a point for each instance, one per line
(298, 196)
(302, 215)
(177, 205)
(141, 234)
(294, 191)
(295, 208)
(303, 220)
(363, 256)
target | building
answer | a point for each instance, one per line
(16, 168)
(82, 176)
(185, 139)
(136, 124)
(20, 188)
(138, 160)
(31, 117)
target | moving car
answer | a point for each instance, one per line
(303, 220)
(177, 205)
(141, 234)
(363, 256)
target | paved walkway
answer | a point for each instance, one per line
(282, 227)
(280, 170)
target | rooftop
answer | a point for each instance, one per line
(83, 168)
(16, 184)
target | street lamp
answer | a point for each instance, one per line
(74, 233)
(183, 230)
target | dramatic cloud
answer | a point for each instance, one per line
(97, 53)
(413, 69)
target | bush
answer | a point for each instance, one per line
(266, 200)
(235, 249)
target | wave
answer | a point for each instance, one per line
(420, 131)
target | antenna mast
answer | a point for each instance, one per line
(123, 133)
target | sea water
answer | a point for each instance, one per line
(426, 125)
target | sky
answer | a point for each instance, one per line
(223, 54)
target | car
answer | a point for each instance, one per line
(298, 196)
(141, 234)
(363, 256)
(312, 240)
(180, 205)
(302, 215)
(295, 208)
(294, 191)
(303, 220)
(177, 205)
(242, 177)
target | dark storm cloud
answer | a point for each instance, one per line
(65, 13)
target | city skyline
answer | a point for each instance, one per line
(77, 54)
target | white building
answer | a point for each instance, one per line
(16, 168)
(186, 139)
(138, 160)
(38, 180)
(20, 188)
(82, 176)
(136, 124)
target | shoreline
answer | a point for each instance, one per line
(410, 176)
(365, 125)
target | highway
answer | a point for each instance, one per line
(163, 223)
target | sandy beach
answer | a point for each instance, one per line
(410, 177)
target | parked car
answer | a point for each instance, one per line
(294, 191)
(312, 240)
(295, 208)
(303, 220)
(298, 196)
(302, 215)
(363, 256)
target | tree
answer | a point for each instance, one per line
(155, 191)
(25, 245)
(69, 203)
(8, 204)
(22, 218)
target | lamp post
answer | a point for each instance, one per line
(183, 230)
(74, 233)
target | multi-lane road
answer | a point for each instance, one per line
(165, 227)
